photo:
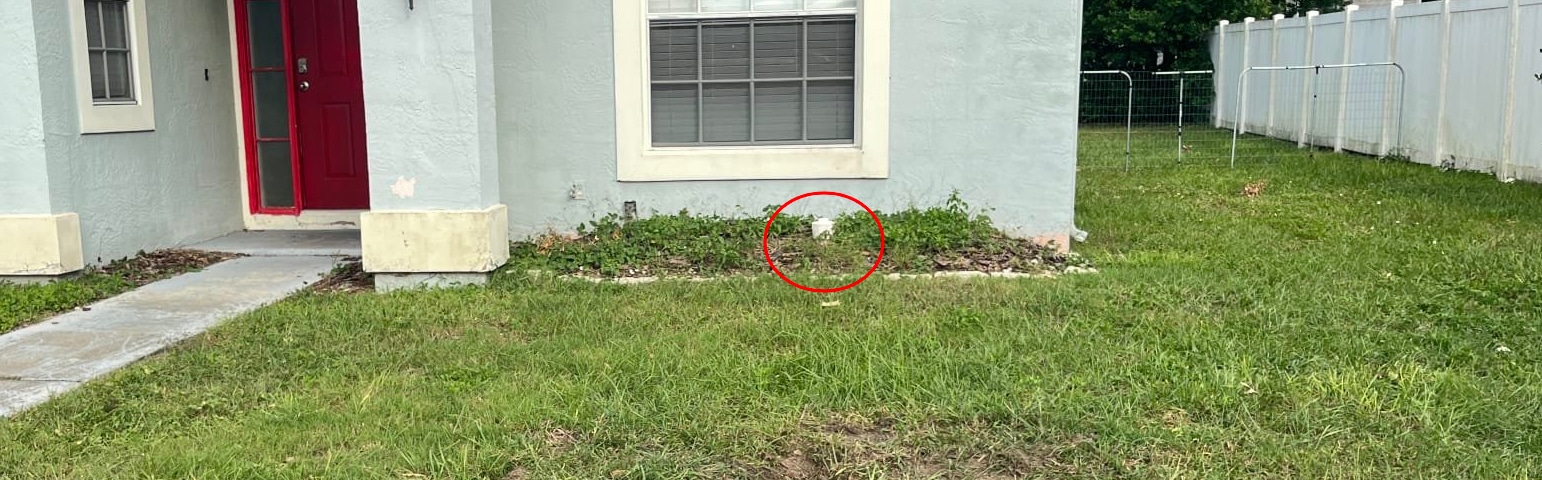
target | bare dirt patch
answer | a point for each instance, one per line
(853, 448)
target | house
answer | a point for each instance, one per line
(443, 128)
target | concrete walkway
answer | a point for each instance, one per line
(286, 243)
(58, 354)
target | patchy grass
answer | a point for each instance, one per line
(23, 304)
(1350, 319)
(950, 237)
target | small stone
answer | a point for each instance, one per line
(1502, 349)
(833, 303)
(636, 280)
(961, 275)
(1015, 275)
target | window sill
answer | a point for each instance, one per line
(754, 163)
(116, 118)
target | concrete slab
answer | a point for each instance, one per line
(52, 356)
(17, 394)
(287, 243)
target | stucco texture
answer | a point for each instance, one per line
(146, 190)
(23, 166)
(983, 100)
(429, 96)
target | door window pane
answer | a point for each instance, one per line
(270, 101)
(275, 174)
(265, 27)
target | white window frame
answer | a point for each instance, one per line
(136, 116)
(637, 160)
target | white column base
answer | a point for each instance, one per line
(40, 245)
(435, 241)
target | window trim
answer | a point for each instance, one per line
(637, 160)
(112, 117)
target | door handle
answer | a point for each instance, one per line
(305, 86)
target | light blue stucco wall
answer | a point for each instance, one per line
(145, 190)
(983, 100)
(429, 103)
(23, 165)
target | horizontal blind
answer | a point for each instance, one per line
(775, 80)
(745, 6)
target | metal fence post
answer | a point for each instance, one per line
(1236, 133)
(1129, 123)
(1307, 83)
(1349, 24)
(1180, 116)
(1129, 112)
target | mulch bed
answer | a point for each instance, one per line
(349, 277)
(150, 267)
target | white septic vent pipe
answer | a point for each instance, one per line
(823, 227)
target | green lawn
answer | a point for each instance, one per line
(1356, 319)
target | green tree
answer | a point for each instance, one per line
(1134, 34)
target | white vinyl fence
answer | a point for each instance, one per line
(1471, 81)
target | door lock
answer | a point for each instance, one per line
(302, 65)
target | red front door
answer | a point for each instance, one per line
(306, 145)
(329, 104)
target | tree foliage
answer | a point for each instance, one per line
(1134, 34)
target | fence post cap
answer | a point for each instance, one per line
(1396, 3)
(1312, 13)
(1279, 16)
(1249, 20)
(1352, 8)
(1225, 22)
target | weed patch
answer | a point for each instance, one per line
(951, 237)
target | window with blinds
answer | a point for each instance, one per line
(752, 72)
(107, 46)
